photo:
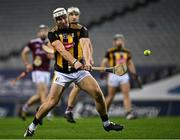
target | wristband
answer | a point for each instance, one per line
(74, 62)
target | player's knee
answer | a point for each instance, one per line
(52, 102)
(95, 89)
(41, 87)
(125, 92)
(43, 99)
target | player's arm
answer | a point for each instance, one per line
(84, 42)
(65, 54)
(132, 71)
(105, 61)
(91, 51)
(49, 55)
(25, 58)
(131, 67)
(55, 42)
(91, 48)
(25, 55)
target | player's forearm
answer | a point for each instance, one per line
(25, 59)
(66, 55)
(104, 62)
(86, 50)
(86, 55)
(91, 48)
(131, 67)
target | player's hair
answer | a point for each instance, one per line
(42, 26)
(119, 36)
(73, 9)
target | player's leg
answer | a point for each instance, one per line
(127, 101)
(60, 81)
(89, 85)
(110, 96)
(32, 100)
(42, 91)
(50, 102)
(113, 83)
(72, 97)
(42, 88)
(24, 109)
(125, 88)
(41, 79)
(71, 101)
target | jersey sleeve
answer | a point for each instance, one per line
(84, 33)
(29, 45)
(107, 55)
(52, 37)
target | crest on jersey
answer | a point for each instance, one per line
(38, 61)
(67, 40)
(120, 57)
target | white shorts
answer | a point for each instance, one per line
(116, 80)
(41, 77)
(65, 79)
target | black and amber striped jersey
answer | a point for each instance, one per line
(117, 56)
(70, 38)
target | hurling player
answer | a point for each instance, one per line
(72, 64)
(114, 56)
(40, 68)
(73, 17)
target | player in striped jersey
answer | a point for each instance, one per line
(72, 63)
(73, 16)
(114, 56)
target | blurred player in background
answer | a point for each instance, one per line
(114, 56)
(73, 17)
(72, 63)
(40, 68)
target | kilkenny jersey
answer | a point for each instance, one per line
(70, 39)
(117, 56)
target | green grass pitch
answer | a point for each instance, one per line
(91, 128)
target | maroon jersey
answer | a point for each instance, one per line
(40, 60)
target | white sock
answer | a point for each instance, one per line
(25, 108)
(32, 127)
(67, 111)
(49, 114)
(106, 123)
